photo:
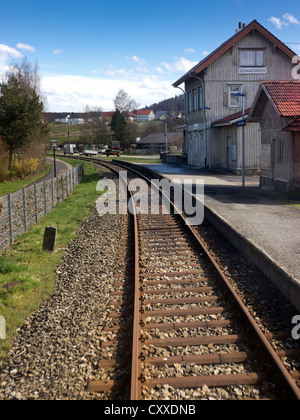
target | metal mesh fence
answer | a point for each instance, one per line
(21, 210)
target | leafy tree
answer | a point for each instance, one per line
(20, 109)
(120, 129)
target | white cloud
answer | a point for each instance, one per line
(287, 20)
(276, 22)
(7, 52)
(72, 93)
(58, 52)
(25, 47)
(146, 85)
(142, 65)
(189, 50)
(184, 65)
(181, 65)
(291, 19)
(167, 66)
(158, 69)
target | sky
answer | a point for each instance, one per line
(88, 50)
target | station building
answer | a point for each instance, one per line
(219, 93)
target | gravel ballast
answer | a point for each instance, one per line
(56, 351)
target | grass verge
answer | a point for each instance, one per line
(12, 186)
(27, 274)
(293, 199)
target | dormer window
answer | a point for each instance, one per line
(252, 58)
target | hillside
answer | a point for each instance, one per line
(170, 105)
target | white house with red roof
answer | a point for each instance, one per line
(277, 109)
(220, 87)
(145, 115)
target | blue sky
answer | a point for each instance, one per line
(88, 50)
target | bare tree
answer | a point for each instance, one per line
(123, 102)
(94, 130)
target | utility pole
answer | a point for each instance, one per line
(69, 144)
(243, 123)
(166, 135)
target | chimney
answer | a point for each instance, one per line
(241, 27)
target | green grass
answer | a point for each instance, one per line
(27, 274)
(60, 132)
(12, 186)
(295, 204)
(293, 199)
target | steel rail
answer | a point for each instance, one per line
(136, 365)
(270, 352)
(135, 388)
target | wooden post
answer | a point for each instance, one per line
(45, 197)
(36, 204)
(49, 239)
(25, 209)
(10, 218)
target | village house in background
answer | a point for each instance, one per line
(75, 119)
(156, 143)
(220, 87)
(145, 115)
(277, 109)
(107, 117)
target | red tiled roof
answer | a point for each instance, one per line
(144, 112)
(232, 118)
(294, 126)
(108, 114)
(285, 97)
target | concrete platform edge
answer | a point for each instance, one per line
(278, 275)
(284, 281)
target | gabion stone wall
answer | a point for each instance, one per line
(22, 210)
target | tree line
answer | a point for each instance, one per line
(96, 130)
(23, 134)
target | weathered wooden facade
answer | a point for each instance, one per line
(220, 86)
(276, 106)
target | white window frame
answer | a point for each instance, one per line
(231, 93)
(195, 100)
(190, 102)
(256, 62)
(200, 98)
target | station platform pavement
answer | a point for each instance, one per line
(268, 221)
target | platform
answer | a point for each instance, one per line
(265, 225)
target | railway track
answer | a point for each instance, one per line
(180, 330)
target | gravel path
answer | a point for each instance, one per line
(56, 351)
